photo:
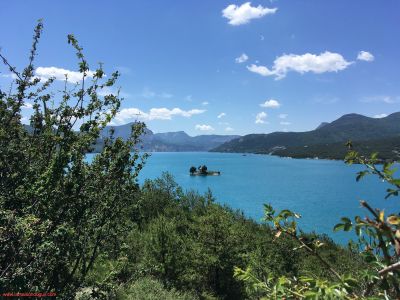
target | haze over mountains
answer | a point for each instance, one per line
(169, 141)
(369, 134)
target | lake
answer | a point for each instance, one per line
(322, 191)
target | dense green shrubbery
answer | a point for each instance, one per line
(58, 212)
(150, 289)
(190, 243)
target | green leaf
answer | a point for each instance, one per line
(345, 220)
(338, 227)
(361, 174)
(358, 230)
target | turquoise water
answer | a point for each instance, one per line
(322, 191)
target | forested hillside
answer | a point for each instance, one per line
(326, 141)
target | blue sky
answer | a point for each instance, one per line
(261, 67)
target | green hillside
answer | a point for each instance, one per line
(387, 148)
(382, 135)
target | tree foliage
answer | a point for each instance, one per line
(57, 211)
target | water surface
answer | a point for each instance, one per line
(322, 191)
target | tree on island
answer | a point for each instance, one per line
(192, 170)
(203, 169)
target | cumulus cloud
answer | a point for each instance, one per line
(260, 118)
(380, 116)
(270, 104)
(204, 127)
(261, 70)
(59, 74)
(322, 63)
(204, 103)
(238, 15)
(365, 56)
(229, 129)
(221, 115)
(283, 116)
(241, 59)
(130, 114)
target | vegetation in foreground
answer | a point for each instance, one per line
(88, 231)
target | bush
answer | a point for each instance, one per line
(151, 289)
(58, 212)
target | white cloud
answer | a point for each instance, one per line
(381, 98)
(365, 56)
(11, 75)
(130, 114)
(238, 15)
(270, 104)
(25, 120)
(241, 59)
(229, 129)
(166, 114)
(221, 115)
(204, 127)
(112, 91)
(263, 71)
(285, 123)
(283, 116)
(126, 115)
(380, 116)
(324, 62)
(260, 118)
(27, 105)
(59, 74)
(204, 103)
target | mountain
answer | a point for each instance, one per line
(322, 125)
(168, 141)
(357, 128)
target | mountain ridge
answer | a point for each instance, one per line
(353, 127)
(177, 141)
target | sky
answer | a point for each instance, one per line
(221, 67)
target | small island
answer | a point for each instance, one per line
(202, 171)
